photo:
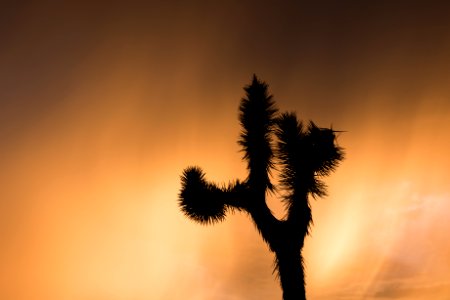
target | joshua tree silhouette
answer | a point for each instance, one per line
(304, 156)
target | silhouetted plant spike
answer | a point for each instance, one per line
(304, 155)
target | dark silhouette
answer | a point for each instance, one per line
(304, 155)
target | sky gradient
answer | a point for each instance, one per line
(102, 105)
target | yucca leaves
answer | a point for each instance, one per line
(257, 111)
(199, 199)
(290, 138)
(205, 202)
(324, 154)
(305, 155)
(294, 176)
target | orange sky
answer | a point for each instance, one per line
(103, 105)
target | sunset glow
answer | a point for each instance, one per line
(102, 107)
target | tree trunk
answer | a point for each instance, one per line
(291, 274)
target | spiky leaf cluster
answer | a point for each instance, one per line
(324, 153)
(257, 111)
(305, 155)
(199, 199)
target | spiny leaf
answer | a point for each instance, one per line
(200, 200)
(257, 111)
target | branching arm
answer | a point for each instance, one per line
(205, 202)
(256, 114)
